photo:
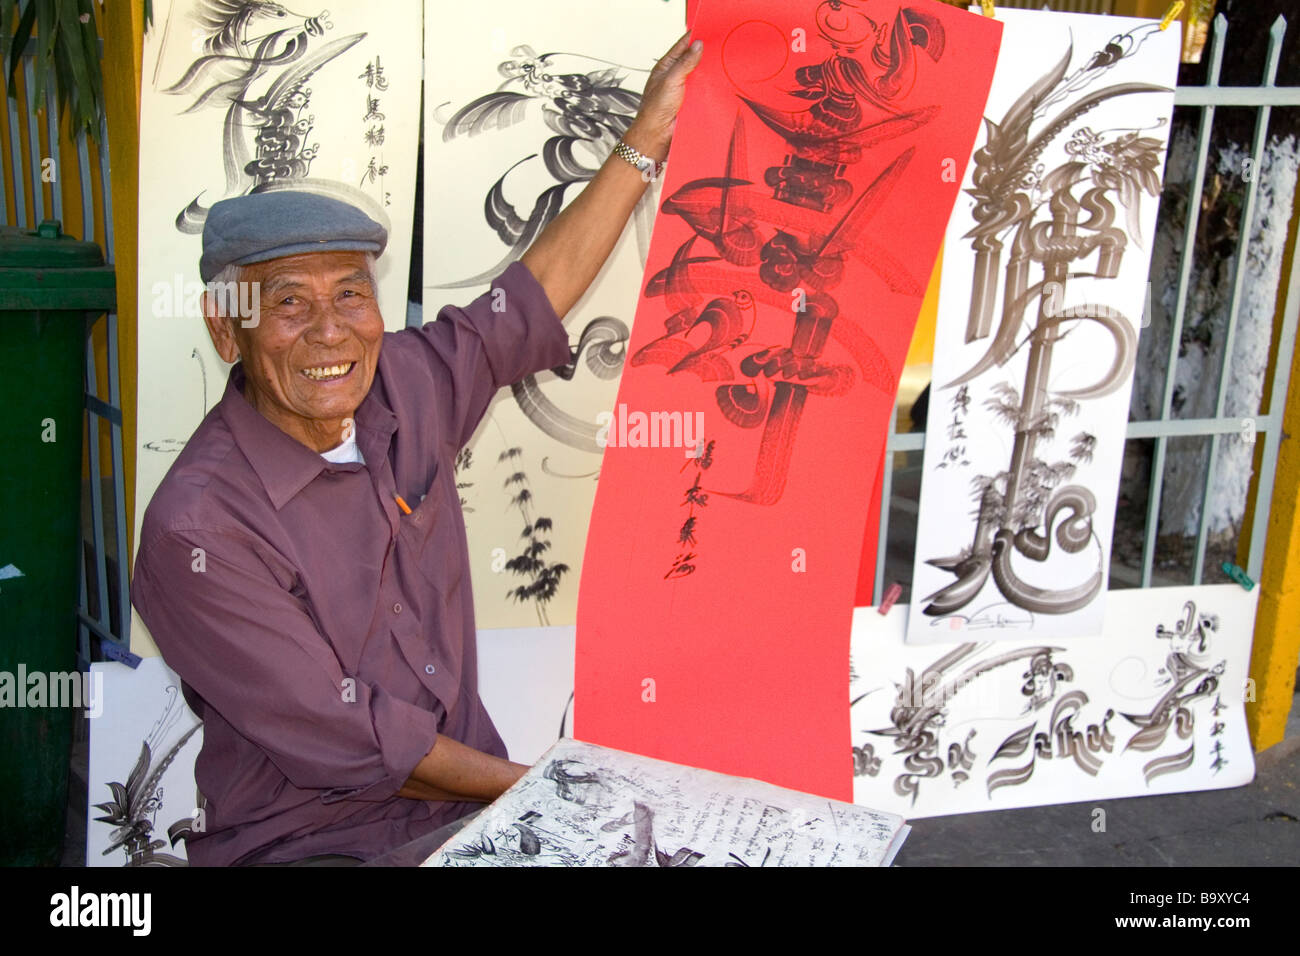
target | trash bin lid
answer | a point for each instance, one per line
(46, 270)
(45, 248)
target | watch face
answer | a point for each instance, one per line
(646, 165)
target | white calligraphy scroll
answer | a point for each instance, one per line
(520, 108)
(247, 96)
(1155, 704)
(1041, 299)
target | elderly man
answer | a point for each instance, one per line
(303, 565)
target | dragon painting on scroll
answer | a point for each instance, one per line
(586, 112)
(255, 62)
(1042, 288)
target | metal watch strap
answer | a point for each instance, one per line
(636, 158)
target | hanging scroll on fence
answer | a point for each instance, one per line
(1042, 295)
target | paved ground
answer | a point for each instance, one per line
(1256, 825)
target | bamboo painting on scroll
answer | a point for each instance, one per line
(522, 106)
(804, 203)
(1042, 294)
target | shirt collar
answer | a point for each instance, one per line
(285, 465)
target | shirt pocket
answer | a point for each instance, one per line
(436, 538)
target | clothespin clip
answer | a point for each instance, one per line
(1171, 14)
(891, 595)
(987, 7)
(1238, 575)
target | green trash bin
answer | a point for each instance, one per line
(52, 287)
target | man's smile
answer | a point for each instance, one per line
(329, 373)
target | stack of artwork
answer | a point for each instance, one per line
(1038, 693)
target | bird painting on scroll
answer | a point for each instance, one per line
(1042, 292)
(803, 207)
(521, 109)
(245, 96)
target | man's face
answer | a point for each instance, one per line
(318, 312)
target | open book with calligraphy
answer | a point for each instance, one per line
(585, 805)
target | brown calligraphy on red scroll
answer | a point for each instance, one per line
(813, 170)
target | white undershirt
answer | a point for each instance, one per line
(348, 451)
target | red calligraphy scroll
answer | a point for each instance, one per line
(813, 169)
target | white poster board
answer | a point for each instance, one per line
(141, 772)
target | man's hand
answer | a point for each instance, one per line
(651, 132)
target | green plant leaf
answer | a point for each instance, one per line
(18, 44)
(47, 35)
(90, 45)
(8, 8)
(71, 50)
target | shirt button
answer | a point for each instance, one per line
(429, 668)
(397, 608)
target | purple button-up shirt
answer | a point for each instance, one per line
(324, 637)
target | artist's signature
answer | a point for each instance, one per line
(1002, 616)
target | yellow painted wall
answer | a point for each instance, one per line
(1277, 625)
(122, 27)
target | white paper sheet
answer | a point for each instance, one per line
(1154, 705)
(584, 805)
(525, 679)
(1041, 299)
(142, 751)
(527, 99)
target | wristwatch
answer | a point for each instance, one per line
(650, 169)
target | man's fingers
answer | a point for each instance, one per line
(683, 65)
(677, 74)
(667, 61)
(693, 55)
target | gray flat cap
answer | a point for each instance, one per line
(262, 226)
